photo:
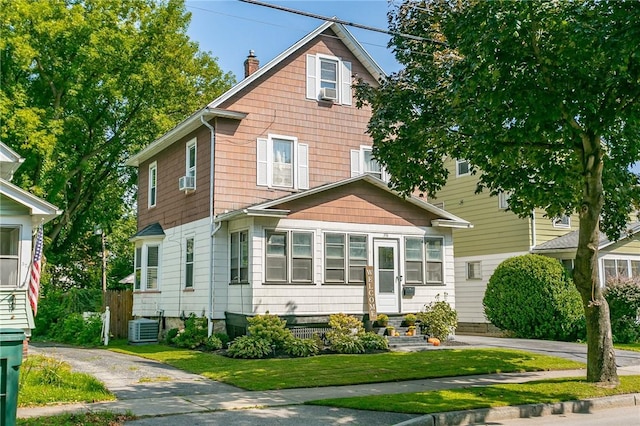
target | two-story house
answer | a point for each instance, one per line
(499, 234)
(268, 200)
(20, 213)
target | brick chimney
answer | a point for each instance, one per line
(251, 64)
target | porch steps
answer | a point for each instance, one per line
(403, 340)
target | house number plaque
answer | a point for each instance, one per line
(371, 293)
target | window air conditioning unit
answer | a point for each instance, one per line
(187, 183)
(143, 331)
(328, 94)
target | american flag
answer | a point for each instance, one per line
(34, 281)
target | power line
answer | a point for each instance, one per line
(340, 21)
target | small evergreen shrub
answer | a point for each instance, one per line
(438, 319)
(250, 347)
(347, 344)
(374, 342)
(533, 297)
(224, 338)
(269, 328)
(300, 348)
(623, 297)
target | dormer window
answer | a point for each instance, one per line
(329, 79)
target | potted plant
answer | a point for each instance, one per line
(382, 320)
(411, 330)
(391, 330)
(410, 319)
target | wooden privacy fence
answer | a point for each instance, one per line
(120, 303)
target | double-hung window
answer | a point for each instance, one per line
(9, 244)
(190, 164)
(423, 260)
(153, 184)
(329, 79)
(188, 263)
(289, 257)
(147, 267)
(239, 271)
(282, 162)
(503, 200)
(345, 258)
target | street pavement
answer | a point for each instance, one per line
(164, 396)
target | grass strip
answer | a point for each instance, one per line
(45, 380)
(467, 398)
(102, 418)
(628, 346)
(334, 370)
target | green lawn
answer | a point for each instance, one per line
(544, 391)
(329, 370)
(628, 346)
(46, 380)
(79, 419)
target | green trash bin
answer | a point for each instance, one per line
(11, 340)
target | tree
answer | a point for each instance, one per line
(543, 99)
(86, 83)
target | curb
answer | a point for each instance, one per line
(465, 417)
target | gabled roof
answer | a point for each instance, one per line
(569, 241)
(212, 109)
(41, 211)
(9, 162)
(445, 219)
(343, 34)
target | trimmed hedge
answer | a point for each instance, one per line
(533, 297)
(623, 297)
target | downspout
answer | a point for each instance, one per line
(212, 228)
(533, 230)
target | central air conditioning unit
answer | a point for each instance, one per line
(328, 94)
(187, 183)
(143, 331)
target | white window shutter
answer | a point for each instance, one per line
(346, 96)
(312, 89)
(261, 169)
(355, 163)
(303, 166)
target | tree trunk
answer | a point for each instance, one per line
(601, 363)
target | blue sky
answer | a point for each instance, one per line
(230, 28)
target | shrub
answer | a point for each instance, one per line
(623, 297)
(438, 319)
(224, 338)
(344, 325)
(250, 347)
(533, 297)
(212, 343)
(374, 342)
(300, 348)
(194, 333)
(171, 334)
(270, 328)
(347, 344)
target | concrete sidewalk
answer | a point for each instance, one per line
(177, 393)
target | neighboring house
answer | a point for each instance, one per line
(20, 214)
(499, 234)
(268, 200)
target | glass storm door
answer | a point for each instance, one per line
(386, 275)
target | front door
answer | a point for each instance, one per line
(386, 275)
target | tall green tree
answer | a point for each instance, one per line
(543, 99)
(85, 83)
